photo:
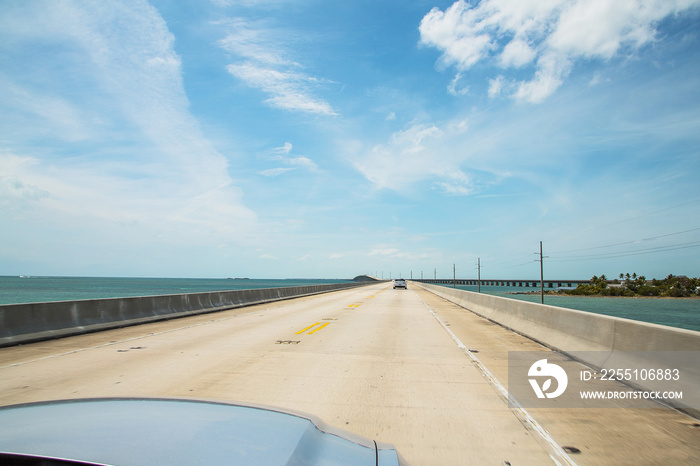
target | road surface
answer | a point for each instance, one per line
(387, 364)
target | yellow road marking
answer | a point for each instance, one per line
(302, 331)
(353, 305)
(316, 330)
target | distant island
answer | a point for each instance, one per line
(673, 286)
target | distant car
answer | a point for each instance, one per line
(400, 283)
(130, 431)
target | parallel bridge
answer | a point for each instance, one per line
(506, 282)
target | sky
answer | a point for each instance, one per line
(316, 139)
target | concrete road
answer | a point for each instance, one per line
(375, 361)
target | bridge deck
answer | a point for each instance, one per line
(373, 360)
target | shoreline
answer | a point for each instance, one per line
(549, 293)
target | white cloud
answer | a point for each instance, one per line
(455, 88)
(495, 86)
(275, 171)
(419, 152)
(111, 86)
(552, 69)
(383, 252)
(599, 29)
(284, 155)
(59, 117)
(287, 88)
(413, 137)
(16, 192)
(286, 149)
(456, 32)
(266, 67)
(597, 79)
(552, 34)
(255, 42)
(303, 162)
(401, 161)
(286, 98)
(395, 253)
(251, 3)
(517, 53)
(458, 126)
(456, 183)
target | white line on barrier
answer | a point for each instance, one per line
(556, 453)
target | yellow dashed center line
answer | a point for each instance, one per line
(312, 326)
(302, 331)
(316, 330)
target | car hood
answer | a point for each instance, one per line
(126, 431)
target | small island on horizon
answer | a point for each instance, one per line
(631, 286)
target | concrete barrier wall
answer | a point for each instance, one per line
(24, 323)
(615, 339)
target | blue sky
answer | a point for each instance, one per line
(301, 138)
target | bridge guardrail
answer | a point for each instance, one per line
(25, 323)
(572, 332)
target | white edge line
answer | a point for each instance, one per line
(557, 453)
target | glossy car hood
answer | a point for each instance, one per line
(127, 431)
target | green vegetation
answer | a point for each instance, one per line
(637, 285)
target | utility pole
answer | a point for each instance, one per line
(454, 276)
(435, 271)
(541, 261)
(478, 266)
(541, 276)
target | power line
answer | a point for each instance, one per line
(641, 252)
(515, 259)
(579, 232)
(512, 266)
(562, 256)
(627, 242)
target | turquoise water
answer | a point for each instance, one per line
(15, 290)
(682, 313)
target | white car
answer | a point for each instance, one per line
(400, 283)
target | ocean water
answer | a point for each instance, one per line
(15, 290)
(681, 312)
